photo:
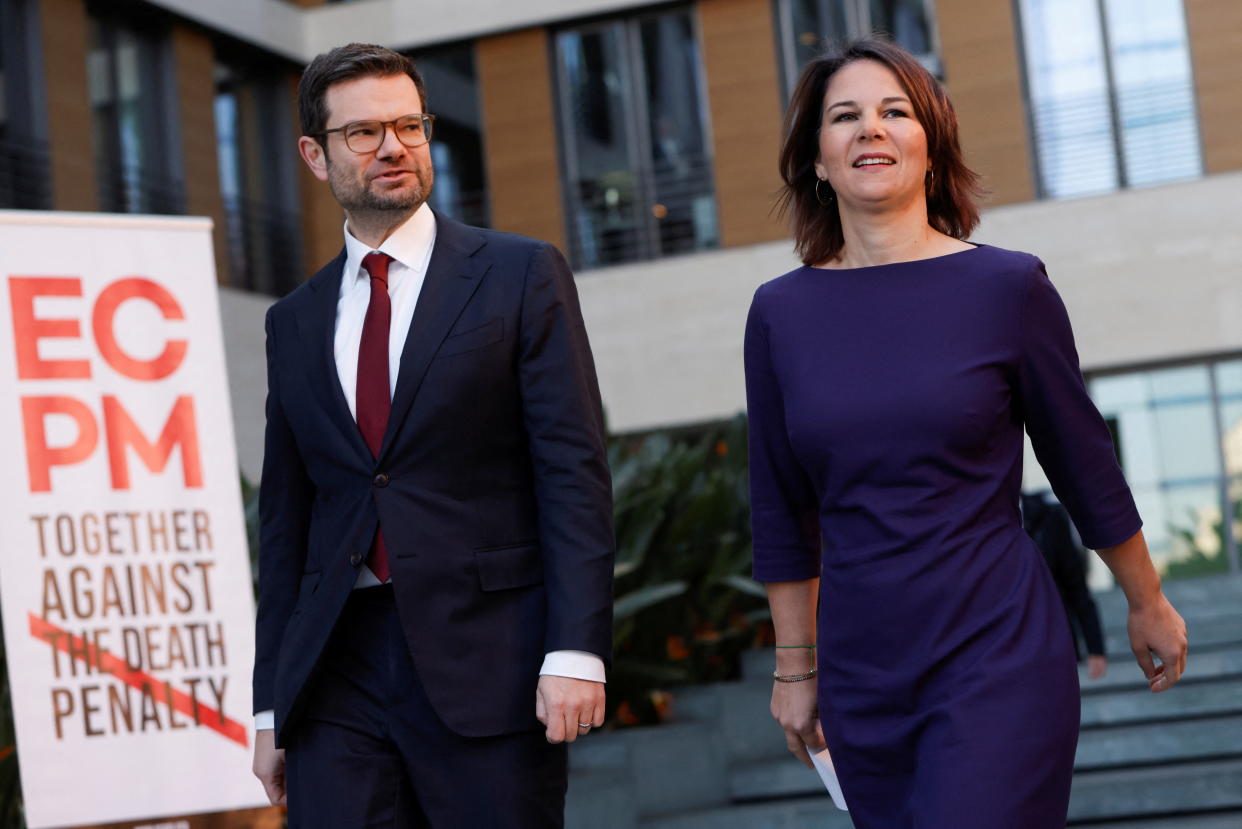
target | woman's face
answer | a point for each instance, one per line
(872, 149)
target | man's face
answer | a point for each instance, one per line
(392, 178)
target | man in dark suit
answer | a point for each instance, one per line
(1050, 527)
(435, 575)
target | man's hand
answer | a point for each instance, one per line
(562, 703)
(795, 706)
(269, 765)
(1097, 665)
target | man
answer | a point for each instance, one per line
(1050, 527)
(435, 576)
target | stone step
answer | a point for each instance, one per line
(1190, 596)
(1166, 743)
(773, 778)
(799, 813)
(1215, 632)
(599, 800)
(1156, 791)
(1123, 671)
(1217, 820)
(1159, 743)
(617, 776)
(1138, 705)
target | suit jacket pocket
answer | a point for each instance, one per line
(503, 568)
(492, 331)
(308, 585)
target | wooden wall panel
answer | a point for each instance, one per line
(516, 86)
(65, 35)
(1215, 31)
(746, 107)
(194, 58)
(322, 218)
(983, 73)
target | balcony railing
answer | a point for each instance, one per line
(126, 188)
(265, 247)
(628, 215)
(25, 173)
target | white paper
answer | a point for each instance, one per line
(828, 774)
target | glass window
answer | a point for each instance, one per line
(24, 167)
(806, 27)
(1111, 95)
(460, 189)
(638, 172)
(1179, 437)
(127, 71)
(258, 176)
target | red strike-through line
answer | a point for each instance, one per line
(45, 631)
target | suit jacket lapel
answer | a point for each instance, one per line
(453, 275)
(318, 330)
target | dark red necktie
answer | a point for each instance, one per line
(373, 401)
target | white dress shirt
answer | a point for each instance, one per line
(410, 247)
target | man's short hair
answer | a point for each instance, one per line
(347, 63)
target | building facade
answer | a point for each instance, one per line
(642, 139)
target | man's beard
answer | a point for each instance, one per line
(355, 198)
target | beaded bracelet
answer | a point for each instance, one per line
(794, 677)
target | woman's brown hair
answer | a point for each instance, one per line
(952, 187)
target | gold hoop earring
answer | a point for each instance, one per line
(831, 195)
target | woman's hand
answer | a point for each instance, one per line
(1156, 628)
(795, 705)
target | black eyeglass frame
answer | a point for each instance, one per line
(427, 118)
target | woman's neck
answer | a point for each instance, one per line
(887, 236)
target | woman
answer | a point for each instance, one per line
(888, 384)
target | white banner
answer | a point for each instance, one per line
(124, 577)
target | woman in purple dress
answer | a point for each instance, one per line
(888, 384)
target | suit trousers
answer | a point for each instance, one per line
(370, 751)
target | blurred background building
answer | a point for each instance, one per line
(642, 139)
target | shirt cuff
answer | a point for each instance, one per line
(574, 665)
(264, 720)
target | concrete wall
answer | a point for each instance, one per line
(242, 315)
(1147, 275)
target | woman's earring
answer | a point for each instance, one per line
(831, 195)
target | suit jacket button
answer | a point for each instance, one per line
(355, 559)
(380, 480)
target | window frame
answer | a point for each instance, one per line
(638, 128)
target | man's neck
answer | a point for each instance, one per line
(373, 227)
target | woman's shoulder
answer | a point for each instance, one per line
(788, 284)
(1004, 262)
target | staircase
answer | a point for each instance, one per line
(1152, 761)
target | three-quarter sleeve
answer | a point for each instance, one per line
(1070, 438)
(783, 505)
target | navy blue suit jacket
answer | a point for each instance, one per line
(492, 484)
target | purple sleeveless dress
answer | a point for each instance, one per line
(886, 413)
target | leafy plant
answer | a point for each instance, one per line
(685, 606)
(1200, 562)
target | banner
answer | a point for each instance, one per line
(124, 576)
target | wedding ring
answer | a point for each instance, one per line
(584, 725)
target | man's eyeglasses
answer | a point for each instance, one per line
(367, 136)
